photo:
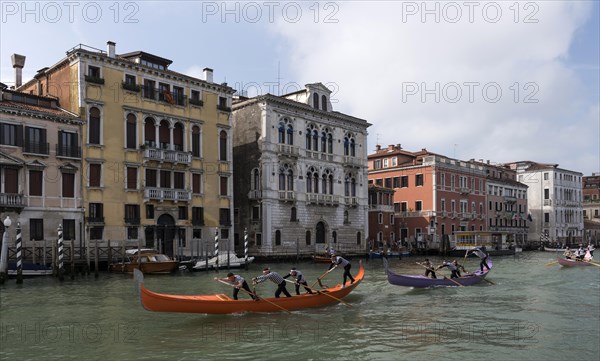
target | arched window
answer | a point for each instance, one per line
(330, 143)
(293, 215)
(195, 141)
(286, 178)
(350, 186)
(324, 142)
(316, 101)
(255, 183)
(315, 140)
(281, 180)
(334, 236)
(178, 137)
(149, 132)
(223, 145)
(323, 102)
(290, 134)
(349, 145)
(312, 181)
(346, 219)
(327, 182)
(358, 238)
(307, 238)
(278, 238)
(164, 135)
(281, 133)
(131, 132)
(308, 139)
(94, 126)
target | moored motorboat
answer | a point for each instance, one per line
(148, 261)
(223, 304)
(225, 260)
(29, 269)
(422, 281)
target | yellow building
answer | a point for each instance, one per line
(157, 147)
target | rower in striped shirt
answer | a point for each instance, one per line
(340, 261)
(275, 278)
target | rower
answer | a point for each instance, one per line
(452, 267)
(580, 253)
(430, 268)
(568, 253)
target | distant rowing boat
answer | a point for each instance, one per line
(421, 281)
(573, 263)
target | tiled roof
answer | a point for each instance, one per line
(41, 111)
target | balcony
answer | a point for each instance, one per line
(68, 151)
(94, 219)
(131, 87)
(11, 200)
(312, 198)
(547, 202)
(465, 190)
(327, 157)
(94, 80)
(167, 194)
(223, 107)
(286, 149)
(312, 154)
(135, 221)
(286, 195)
(36, 148)
(352, 161)
(351, 201)
(328, 199)
(164, 95)
(510, 199)
(254, 194)
(381, 208)
(167, 155)
(196, 102)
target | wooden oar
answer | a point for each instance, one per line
(551, 263)
(322, 293)
(450, 279)
(321, 277)
(476, 275)
(253, 294)
(420, 264)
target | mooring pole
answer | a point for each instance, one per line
(19, 255)
(246, 248)
(60, 253)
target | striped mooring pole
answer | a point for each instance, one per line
(19, 255)
(217, 249)
(60, 253)
(246, 248)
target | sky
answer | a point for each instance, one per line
(501, 81)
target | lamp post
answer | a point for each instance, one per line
(4, 254)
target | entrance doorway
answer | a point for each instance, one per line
(165, 233)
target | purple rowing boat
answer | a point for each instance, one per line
(572, 263)
(420, 281)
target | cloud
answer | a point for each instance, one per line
(496, 82)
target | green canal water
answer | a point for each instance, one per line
(533, 312)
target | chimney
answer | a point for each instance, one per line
(399, 146)
(208, 75)
(390, 147)
(377, 148)
(18, 62)
(110, 48)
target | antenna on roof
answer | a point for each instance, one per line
(377, 142)
(278, 78)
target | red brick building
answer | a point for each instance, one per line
(435, 196)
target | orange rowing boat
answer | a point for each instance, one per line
(220, 303)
